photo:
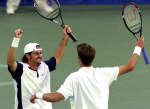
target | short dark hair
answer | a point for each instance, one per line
(86, 53)
(24, 58)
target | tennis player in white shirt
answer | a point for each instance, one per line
(88, 88)
(32, 75)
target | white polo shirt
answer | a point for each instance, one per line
(28, 82)
(88, 88)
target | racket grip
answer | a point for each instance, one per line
(145, 56)
(72, 37)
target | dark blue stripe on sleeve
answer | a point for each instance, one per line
(17, 76)
(19, 94)
(18, 73)
(51, 63)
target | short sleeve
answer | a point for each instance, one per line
(67, 88)
(18, 73)
(51, 63)
(111, 73)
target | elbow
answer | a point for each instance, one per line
(58, 59)
(131, 67)
(11, 63)
(8, 62)
(126, 68)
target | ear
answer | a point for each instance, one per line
(79, 60)
(28, 56)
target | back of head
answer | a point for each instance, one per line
(86, 53)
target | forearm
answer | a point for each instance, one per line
(12, 51)
(52, 97)
(11, 56)
(59, 53)
(134, 58)
(131, 63)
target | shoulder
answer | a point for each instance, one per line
(51, 63)
(72, 76)
(43, 64)
(111, 73)
(18, 72)
(107, 69)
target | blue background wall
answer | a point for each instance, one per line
(29, 2)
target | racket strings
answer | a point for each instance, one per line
(54, 14)
(132, 18)
(47, 8)
(136, 25)
(136, 30)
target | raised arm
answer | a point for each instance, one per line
(12, 51)
(133, 59)
(59, 53)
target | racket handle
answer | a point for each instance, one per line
(145, 56)
(72, 37)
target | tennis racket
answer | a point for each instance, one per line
(132, 18)
(51, 10)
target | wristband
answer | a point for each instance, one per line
(39, 95)
(137, 50)
(15, 42)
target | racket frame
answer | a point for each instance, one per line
(58, 16)
(140, 30)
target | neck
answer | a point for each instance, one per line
(81, 65)
(33, 66)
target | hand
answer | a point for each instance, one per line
(140, 42)
(66, 30)
(32, 99)
(18, 33)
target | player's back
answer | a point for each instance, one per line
(88, 88)
(91, 89)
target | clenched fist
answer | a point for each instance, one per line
(18, 33)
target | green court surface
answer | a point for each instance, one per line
(98, 25)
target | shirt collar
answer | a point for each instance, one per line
(85, 68)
